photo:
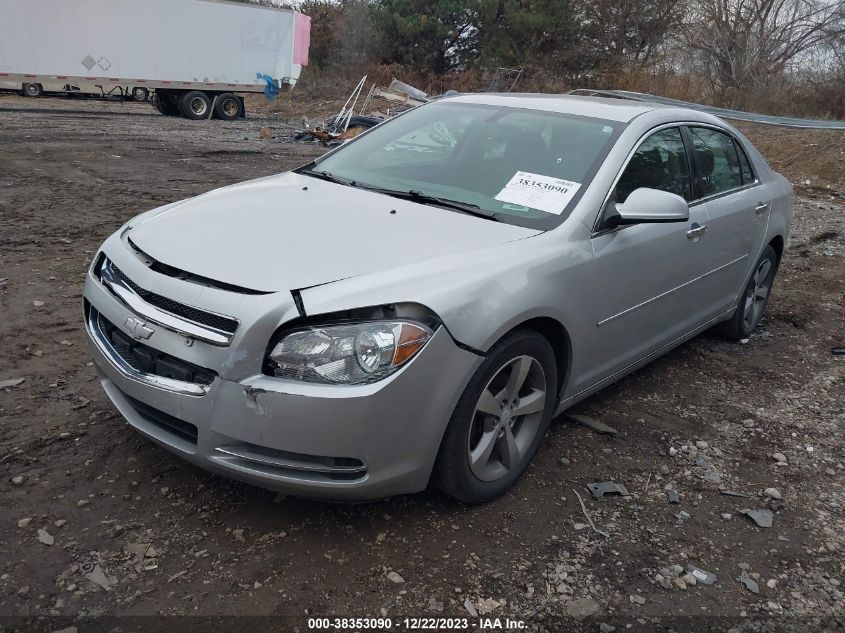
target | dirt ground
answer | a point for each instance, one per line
(130, 530)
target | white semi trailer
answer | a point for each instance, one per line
(192, 56)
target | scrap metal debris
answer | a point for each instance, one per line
(749, 582)
(600, 489)
(593, 425)
(762, 518)
(702, 575)
(348, 124)
(100, 578)
(837, 351)
(505, 79)
(733, 493)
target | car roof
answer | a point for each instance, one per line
(611, 109)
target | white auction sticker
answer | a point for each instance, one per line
(539, 192)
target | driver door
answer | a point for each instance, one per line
(644, 295)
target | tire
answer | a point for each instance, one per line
(32, 90)
(752, 303)
(471, 429)
(139, 93)
(166, 103)
(359, 125)
(363, 122)
(195, 105)
(228, 107)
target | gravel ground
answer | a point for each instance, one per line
(97, 521)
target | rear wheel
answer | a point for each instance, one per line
(195, 105)
(228, 107)
(753, 302)
(33, 90)
(500, 419)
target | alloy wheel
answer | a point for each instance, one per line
(506, 419)
(755, 300)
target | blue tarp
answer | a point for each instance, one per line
(271, 90)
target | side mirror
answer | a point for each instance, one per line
(646, 205)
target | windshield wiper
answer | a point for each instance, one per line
(330, 177)
(424, 198)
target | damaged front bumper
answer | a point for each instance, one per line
(216, 409)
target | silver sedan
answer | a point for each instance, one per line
(417, 305)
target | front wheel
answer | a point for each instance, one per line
(500, 419)
(33, 90)
(754, 298)
(139, 93)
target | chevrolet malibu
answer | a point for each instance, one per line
(417, 305)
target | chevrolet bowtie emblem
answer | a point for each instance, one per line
(137, 329)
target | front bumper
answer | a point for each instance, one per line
(345, 442)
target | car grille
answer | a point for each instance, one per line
(209, 319)
(168, 424)
(147, 360)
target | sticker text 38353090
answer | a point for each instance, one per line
(539, 192)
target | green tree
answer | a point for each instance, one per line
(428, 35)
(540, 34)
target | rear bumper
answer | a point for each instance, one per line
(356, 442)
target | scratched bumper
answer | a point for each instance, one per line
(351, 442)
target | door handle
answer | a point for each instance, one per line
(761, 208)
(696, 231)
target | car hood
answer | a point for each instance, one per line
(291, 231)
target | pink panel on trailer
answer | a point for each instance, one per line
(301, 39)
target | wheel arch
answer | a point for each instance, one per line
(558, 337)
(778, 243)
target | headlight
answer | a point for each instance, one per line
(349, 354)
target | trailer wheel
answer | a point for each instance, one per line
(32, 90)
(195, 105)
(228, 107)
(166, 103)
(139, 93)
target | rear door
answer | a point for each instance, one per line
(738, 208)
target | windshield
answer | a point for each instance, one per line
(524, 167)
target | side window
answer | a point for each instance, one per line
(660, 162)
(744, 165)
(718, 159)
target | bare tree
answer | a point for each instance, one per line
(740, 45)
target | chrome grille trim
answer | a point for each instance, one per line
(102, 343)
(129, 293)
(291, 464)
